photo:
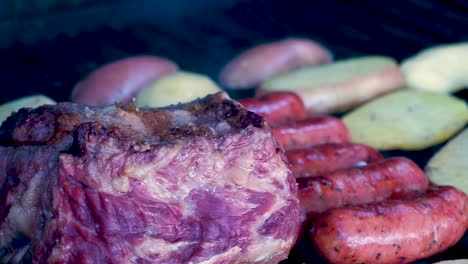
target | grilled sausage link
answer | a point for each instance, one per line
(390, 178)
(394, 231)
(330, 157)
(277, 107)
(311, 132)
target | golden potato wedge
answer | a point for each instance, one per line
(339, 86)
(32, 101)
(449, 166)
(407, 120)
(264, 61)
(178, 87)
(443, 68)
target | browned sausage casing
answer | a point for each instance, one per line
(311, 132)
(394, 231)
(277, 107)
(390, 178)
(330, 157)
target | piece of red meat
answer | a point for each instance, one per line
(203, 182)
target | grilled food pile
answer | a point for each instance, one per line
(333, 123)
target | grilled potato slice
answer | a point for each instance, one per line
(178, 87)
(31, 101)
(449, 166)
(407, 120)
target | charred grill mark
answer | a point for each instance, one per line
(232, 112)
(377, 257)
(397, 248)
(250, 119)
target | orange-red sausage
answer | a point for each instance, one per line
(277, 107)
(390, 178)
(330, 157)
(394, 231)
(311, 132)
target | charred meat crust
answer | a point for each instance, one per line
(211, 116)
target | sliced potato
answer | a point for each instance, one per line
(178, 87)
(442, 68)
(339, 86)
(407, 120)
(455, 261)
(449, 166)
(32, 101)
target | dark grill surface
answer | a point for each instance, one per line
(203, 40)
(202, 36)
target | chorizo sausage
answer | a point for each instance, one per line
(277, 107)
(393, 231)
(330, 157)
(391, 178)
(311, 132)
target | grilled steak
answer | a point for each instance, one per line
(203, 182)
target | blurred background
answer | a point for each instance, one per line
(46, 46)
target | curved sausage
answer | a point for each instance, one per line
(330, 157)
(390, 178)
(311, 132)
(266, 60)
(121, 80)
(394, 231)
(277, 107)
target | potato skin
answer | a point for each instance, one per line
(394, 231)
(261, 62)
(311, 132)
(329, 157)
(392, 178)
(277, 107)
(120, 81)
